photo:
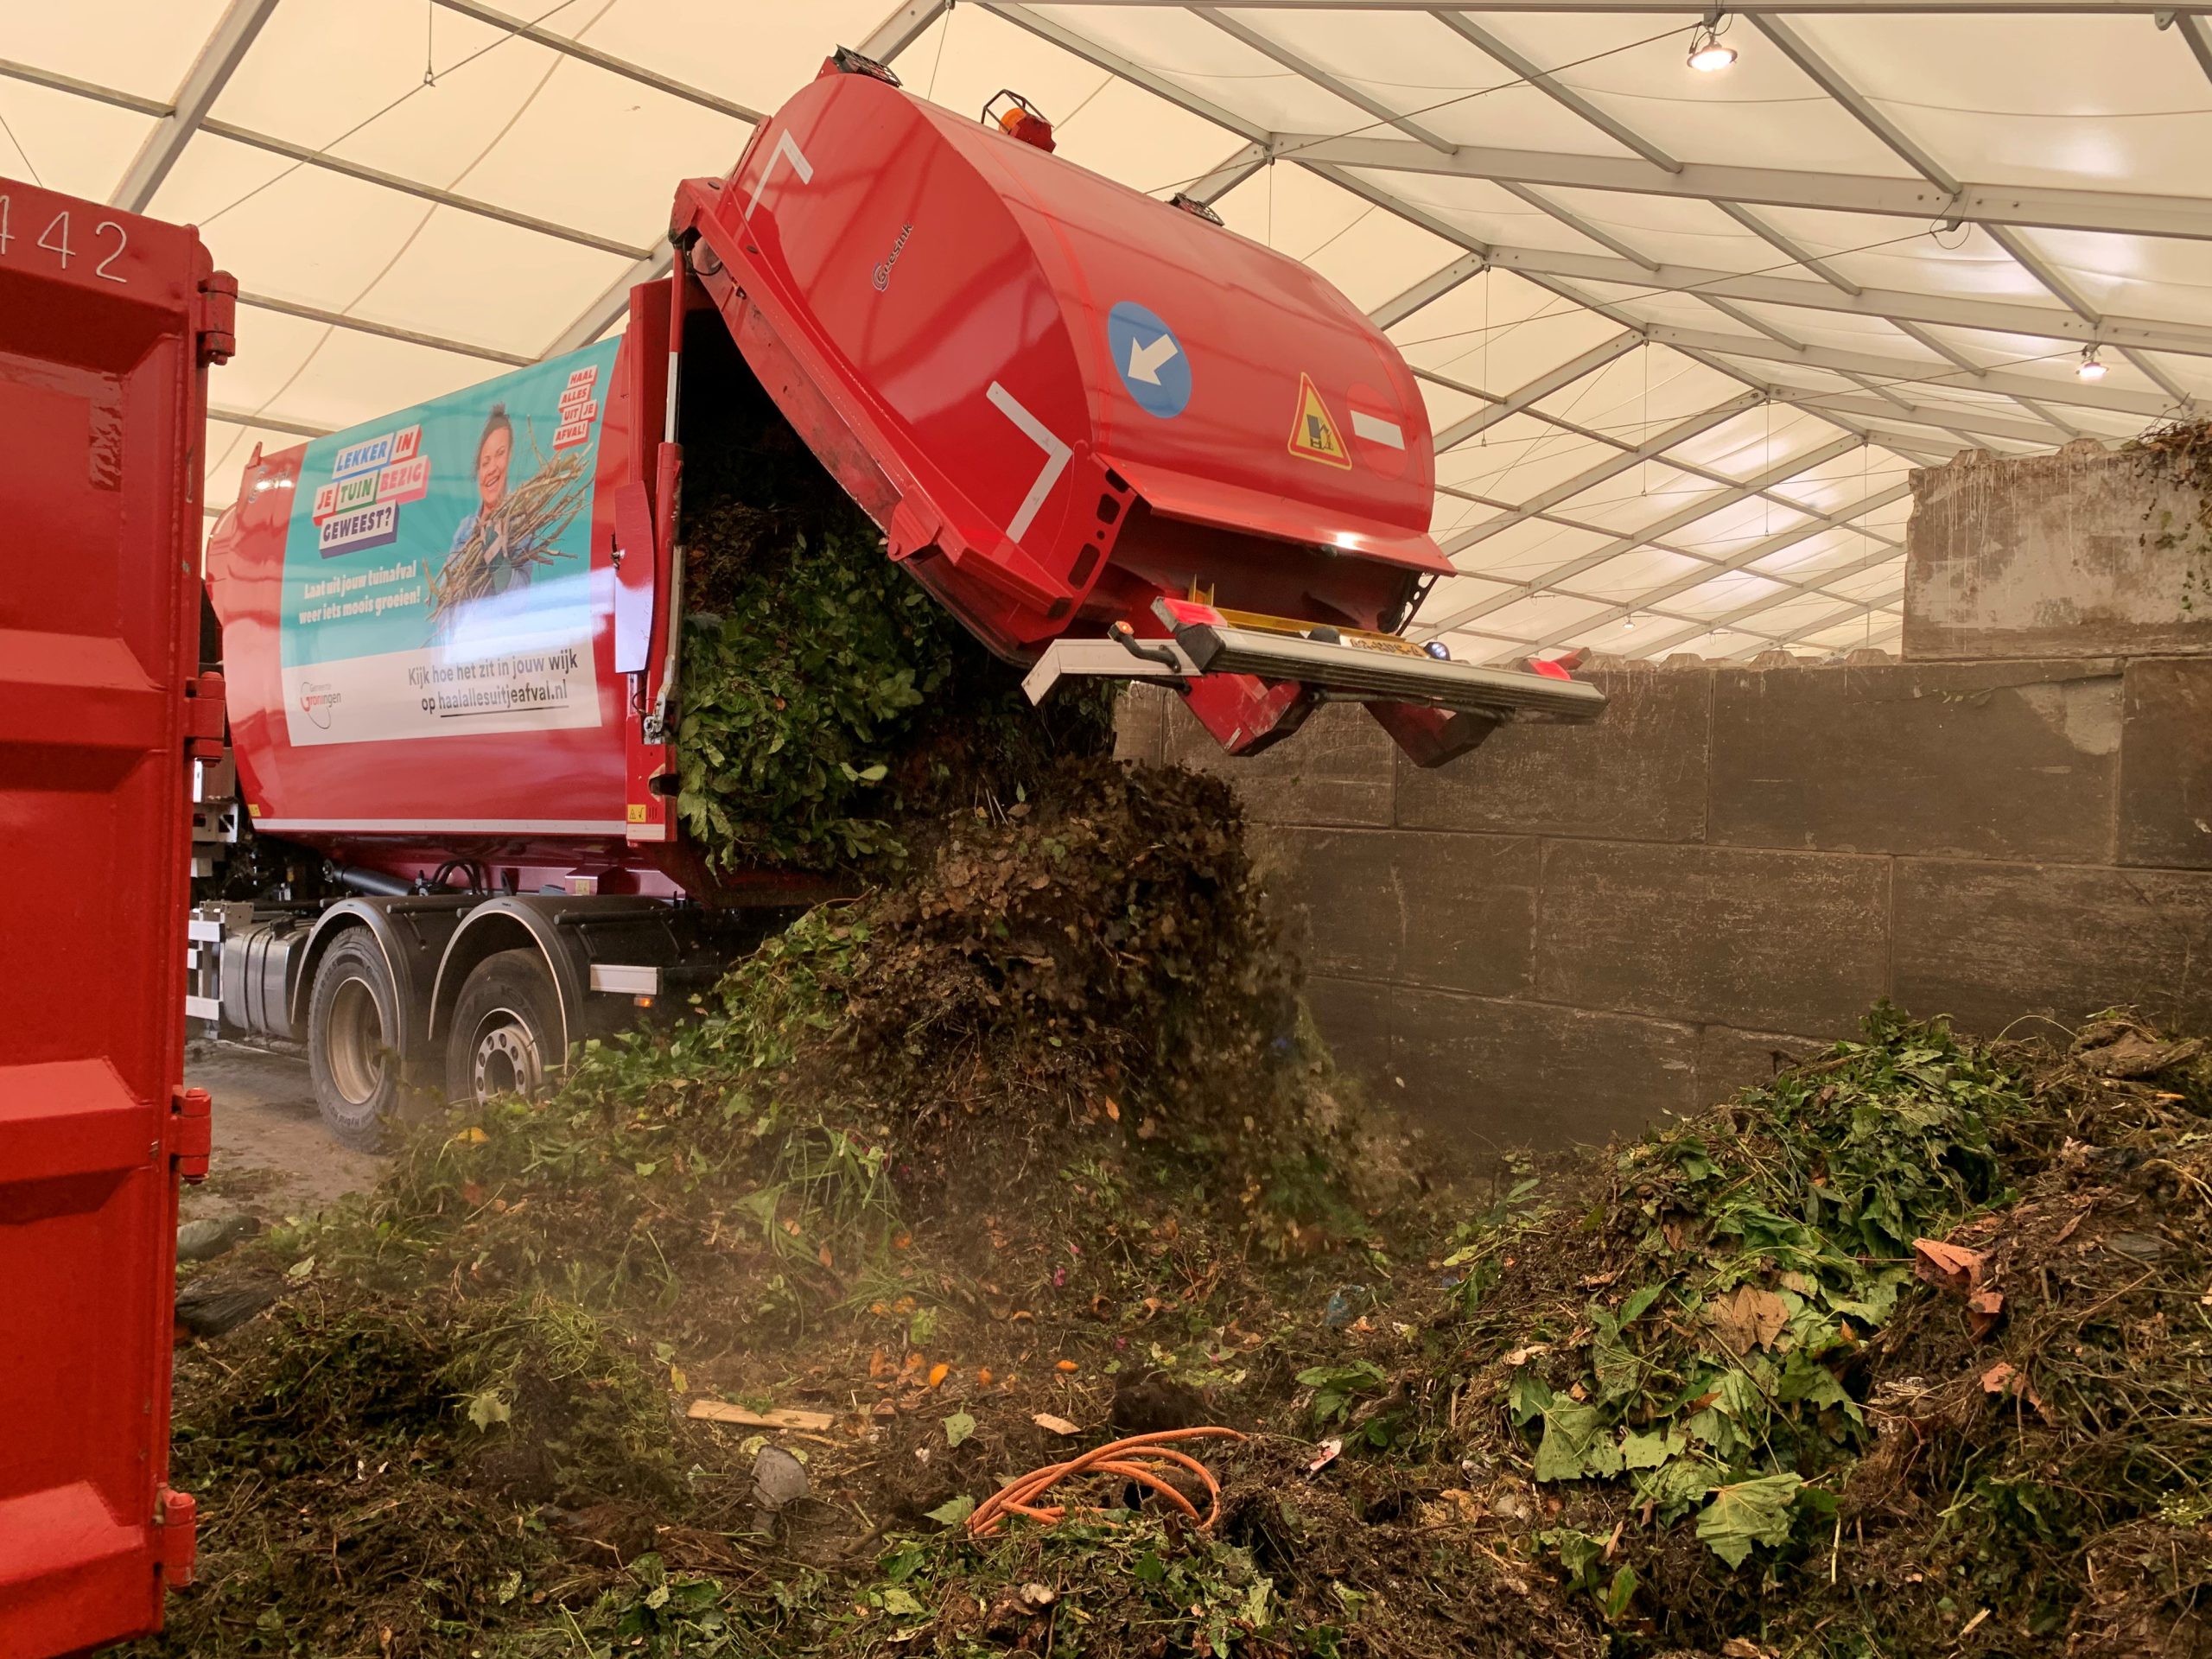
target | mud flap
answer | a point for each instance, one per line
(1245, 714)
(1430, 737)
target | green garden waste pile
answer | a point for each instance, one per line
(1027, 1145)
(827, 700)
(1905, 1353)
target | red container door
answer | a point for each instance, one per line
(105, 323)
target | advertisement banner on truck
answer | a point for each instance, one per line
(437, 566)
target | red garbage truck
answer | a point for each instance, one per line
(1111, 436)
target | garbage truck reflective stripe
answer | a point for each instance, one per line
(786, 150)
(1056, 457)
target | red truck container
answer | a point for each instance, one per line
(107, 324)
(1112, 436)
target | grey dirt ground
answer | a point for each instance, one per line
(272, 1156)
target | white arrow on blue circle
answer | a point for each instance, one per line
(1148, 360)
(1145, 361)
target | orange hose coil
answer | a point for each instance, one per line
(1140, 1459)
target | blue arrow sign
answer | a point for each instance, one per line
(1149, 360)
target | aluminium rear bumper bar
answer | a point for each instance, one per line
(1364, 673)
(1353, 671)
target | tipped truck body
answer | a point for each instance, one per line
(1112, 436)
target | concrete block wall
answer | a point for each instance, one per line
(2085, 552)
(1572, 930)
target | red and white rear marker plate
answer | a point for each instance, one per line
(1378, 430)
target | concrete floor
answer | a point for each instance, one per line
(273, 1158)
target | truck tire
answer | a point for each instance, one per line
(504, 1037)
(352, 1051)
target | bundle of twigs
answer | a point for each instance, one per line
(518, 532)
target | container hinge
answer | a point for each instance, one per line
(218, 317)
(174, 1536)
(203, 717)
(191, 1133)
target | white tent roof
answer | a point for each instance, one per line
(1682, 334)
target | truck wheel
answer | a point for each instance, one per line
(505, 1034)
(352, 1032)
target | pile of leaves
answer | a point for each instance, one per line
(1067, 1040)
(1098, 957)
(1758, 1252)
(829, 706)
(1104, 949)
(1907, 1352)
(371, 1463)
(1911, 1345)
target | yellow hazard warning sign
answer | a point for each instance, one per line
(1314, 434)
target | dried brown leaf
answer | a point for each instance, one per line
(1949, 1266)
(1747, 1318)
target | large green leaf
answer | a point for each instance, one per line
(1673, 1483)
(952, 1511)
(1748, 1512)
(1576, 1443)
(1649, 1451)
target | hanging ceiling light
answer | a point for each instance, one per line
(2089, 368)
(1708, 52)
